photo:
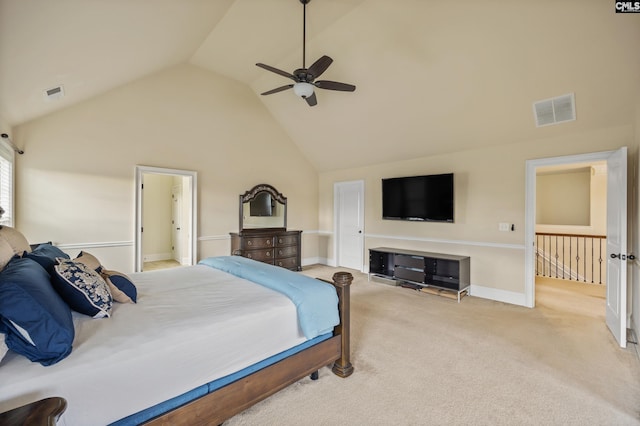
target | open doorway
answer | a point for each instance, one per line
(616, 232)
(165, 218)
(570, 242)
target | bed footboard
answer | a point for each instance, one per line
(224, 403)
(342, 281)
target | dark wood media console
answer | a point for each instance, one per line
(442, 271)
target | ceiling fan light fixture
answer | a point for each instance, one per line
(304, 90)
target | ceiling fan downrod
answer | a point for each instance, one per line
(304, 32)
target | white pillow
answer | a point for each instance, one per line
(3, 347)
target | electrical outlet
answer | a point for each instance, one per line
(503, 226)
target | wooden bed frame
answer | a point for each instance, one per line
(224, 403)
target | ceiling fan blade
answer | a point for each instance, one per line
(277, 89)
(334, 85)
(277, 71)
(319, 66)
(311, 100)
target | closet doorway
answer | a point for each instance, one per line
(165, 218)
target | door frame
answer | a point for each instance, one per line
(530, 211)
(177, 246)
(193, 207)
(336, 219)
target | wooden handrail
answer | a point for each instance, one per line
(571, 235)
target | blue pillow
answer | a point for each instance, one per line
(45, 254)
(37, 322)
(122, 288)
(82, 288)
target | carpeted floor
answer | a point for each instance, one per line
(160, 264)
(422, 359)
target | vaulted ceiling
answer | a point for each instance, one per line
(432, 76)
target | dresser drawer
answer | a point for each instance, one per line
(265, 255)
(287, 240)
(282, 252)
(257, 242)
(289, 263)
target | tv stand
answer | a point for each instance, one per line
(422, 269)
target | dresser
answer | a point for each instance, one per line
(273, 246)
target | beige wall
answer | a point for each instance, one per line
(75, 183)
(489, 189)
(590, 207)
(564, 198)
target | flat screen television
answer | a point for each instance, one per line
(262, 205)
(418, 198)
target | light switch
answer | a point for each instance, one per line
(503, 226)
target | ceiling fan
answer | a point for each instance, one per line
(305, 78)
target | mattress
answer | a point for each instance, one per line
(191, 325)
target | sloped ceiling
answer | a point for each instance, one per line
(432, 76)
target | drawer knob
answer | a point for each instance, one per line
(268, 242)
(249, 255)
(280, 241)
(249, 243)
(268, 254)
(280, 252)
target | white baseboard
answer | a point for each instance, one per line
(498, 295)
(152, 257)
(315, 261)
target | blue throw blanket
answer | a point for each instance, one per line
(315, 301)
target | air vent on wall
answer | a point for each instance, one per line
(54, 93)
(555, 110)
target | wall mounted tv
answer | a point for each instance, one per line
(418, 198)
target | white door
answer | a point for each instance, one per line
(176, 222)
(617, 245)
(349, 206)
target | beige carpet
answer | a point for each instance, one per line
(160, 264)
(422, 359)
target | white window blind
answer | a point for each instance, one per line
(7, 156)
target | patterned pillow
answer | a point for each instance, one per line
(122, 288)
(82, 288)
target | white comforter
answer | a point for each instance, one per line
(191, 325)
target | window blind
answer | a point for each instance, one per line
(7, 157)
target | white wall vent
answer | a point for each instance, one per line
(54, 93)
(555, 110)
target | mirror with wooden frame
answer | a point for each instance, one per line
(263, 207)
